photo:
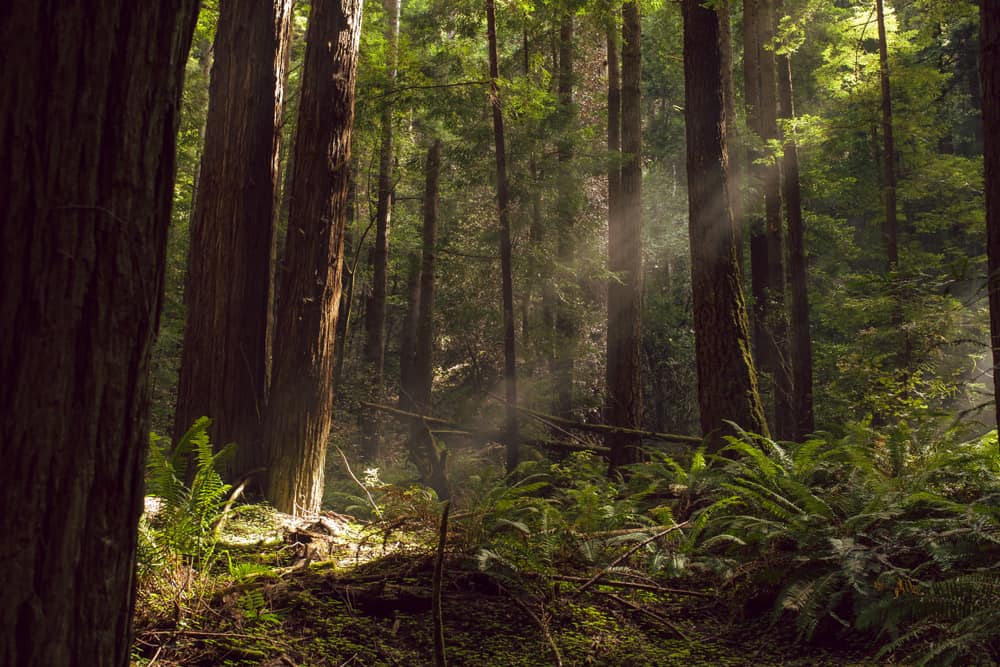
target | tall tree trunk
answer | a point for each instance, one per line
(347, 274)
(89, 104)
(766, 246)
(990, 70)
(624, 387)
(300, 406)
(408, 333)
(567, 209)
(225, 362)
(754, 222)
(777, 314)
(506, 268)
(736, 152)
(800, 342)
(889, 230)
(423, 374)
(375, 317)
(727, 382)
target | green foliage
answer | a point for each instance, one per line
(836, 539)
(190, 515)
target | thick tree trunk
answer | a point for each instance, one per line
(89, 104)
(506, 269)
(423, 374)
(727, 383)
(567, 210)
(800, 342)
(375, 316)
(624, 390)
(225, 363)
(299, 410)
(990, 69)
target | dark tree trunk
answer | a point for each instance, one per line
(567, 210)
(767, 267)
(89, 104)
(506, 269)
(225, 363)
(299, 412)
(625, 258)
(423, 374)
(738, 155)
(727, 383)
(375, 316)
(347, 274)
(800, 343)
(889, 230)
(990, 69)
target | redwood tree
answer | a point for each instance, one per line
(624, 391)
(506, 270)
(800, 342)
(727, 383)
(89, 102)
(990, 70)
(299, 410)
(224, 366)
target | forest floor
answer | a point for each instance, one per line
(334, 592)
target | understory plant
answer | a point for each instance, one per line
(906, 551)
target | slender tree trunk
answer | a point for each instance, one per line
(990, 70)
(299, 412)
(225, 362)
(375, 317)
(567, 210)
(727, 382)
(347, 286)
(800, 342)
(87, 137)
(506, 269)
(754, 219)
(736, 151)
(777, 314)
(625, 258)
(423, 370)
(889, 231)
(408, 333)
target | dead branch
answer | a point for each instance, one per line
(648, 612)
(618, 561)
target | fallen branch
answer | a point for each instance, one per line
(606, 428)
(543, 627)
(618, 561)
(633, 585)
(648, 612)
(411, 415)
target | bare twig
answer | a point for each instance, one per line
(364, 488)
(590, 582)
(543, 627)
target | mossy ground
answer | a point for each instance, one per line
(379, 613)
